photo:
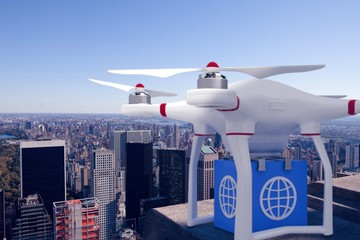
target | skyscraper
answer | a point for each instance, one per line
(205, 170)
(118, 142)
(172, 175)
(103, 188)
(33, 221)
(2, 214)
(138, 176)
(176, 136)
(118, 145)
(76, 219)
(352, 156)
(42, 169)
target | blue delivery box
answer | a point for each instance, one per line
(279, 196)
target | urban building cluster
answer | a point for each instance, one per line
(97, 176)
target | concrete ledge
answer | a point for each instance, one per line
(169, 223)
(346, 197)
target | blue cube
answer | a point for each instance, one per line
(279, 196)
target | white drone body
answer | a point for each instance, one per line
(254, 117)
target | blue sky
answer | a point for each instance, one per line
(48, 49)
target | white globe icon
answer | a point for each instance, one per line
(278, 198)
(227, 196)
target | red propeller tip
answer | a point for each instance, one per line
(139, 85)
(212, 64)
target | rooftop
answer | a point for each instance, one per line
(207, 150)
(350, 183)
(172, 220)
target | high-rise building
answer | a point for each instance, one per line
(176, 136)
(317, 170)
(85, 180)
(352, 156)
(103, 188)
(2, 214)
(76, 219)
(42, 170)
(172, 175)
(297, 152)
(138, 176)
(118, 142)
(205, 172)
(32, 221)
(27, 125)
(118, 145)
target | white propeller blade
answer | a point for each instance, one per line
(258, 72)
(264, 72)
(155, 93)
(162, 73)
(126, 88)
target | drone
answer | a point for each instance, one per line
(254, 118)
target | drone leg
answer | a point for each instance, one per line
(328, 195)
(192, 193)
(243, 213)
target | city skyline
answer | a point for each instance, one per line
(49, 50)
(85, 136)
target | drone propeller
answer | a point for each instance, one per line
(139, 87)
(257, 72)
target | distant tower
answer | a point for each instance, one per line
(172, 175)
(28, 125)
(317, 171)
(176, 136)
(32, 221)
(2, 214)
(205, 170)
(76, 219)
(351, 156)
(85, 179)
(118, 142)
(333, 161)
(103, 188)
(139, 179)
(42, 169)
(297, 152)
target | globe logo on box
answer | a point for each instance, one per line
(278, 198)
(227, 196)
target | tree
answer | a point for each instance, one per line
(10, 171)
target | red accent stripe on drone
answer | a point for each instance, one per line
(203, 134)
(239, 134)
(310, 134)
(163, 109)
(351, 107)
(233, 109)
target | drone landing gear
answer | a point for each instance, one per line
(327, 227)
(243, 213)
(193, 219)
